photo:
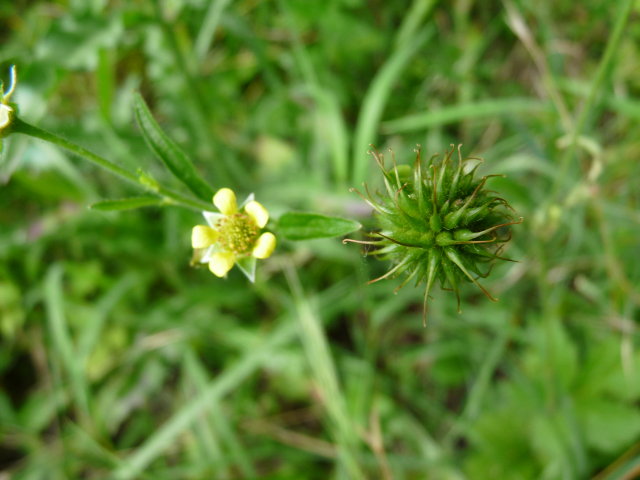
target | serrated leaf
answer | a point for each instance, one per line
(126, 203)
(174, 158)
(307, 226)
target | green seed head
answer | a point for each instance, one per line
(439, 223)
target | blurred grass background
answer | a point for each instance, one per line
(120, 361)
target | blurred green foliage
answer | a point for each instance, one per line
(118, 360)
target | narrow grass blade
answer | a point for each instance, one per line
(323, 369)
(376, 99)
(63, 347)
(613, 42)
(89, 336)
(417, 13)
(105, 82)
(165, 437)
(216, 429)
(209, 26)
(333, 131)
(627, 467)
(206, 444)
(174, 158)
(455, 113)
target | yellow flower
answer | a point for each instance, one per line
(6, 111)
(232, 237)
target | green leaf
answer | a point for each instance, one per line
(175, 159)
(306, 226)
(608, 425)
(127, 203)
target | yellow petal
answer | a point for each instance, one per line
(265, 245)
(225, 200)
(257, 212)
(203, 236)
(5, 115)
(221, 263)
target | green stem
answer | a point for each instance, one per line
(19, 126)
(179, 199)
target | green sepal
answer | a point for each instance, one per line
(173, 157)
(451, 276)
(475, 214)
(453, 218)
(444, 238)
(247, 266)
(457, 260)
(435, 223)
(464, 235)
(307, 226)
(127, 203)
(404, 172)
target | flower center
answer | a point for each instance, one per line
(238, 233)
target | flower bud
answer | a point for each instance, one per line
(7, 111)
